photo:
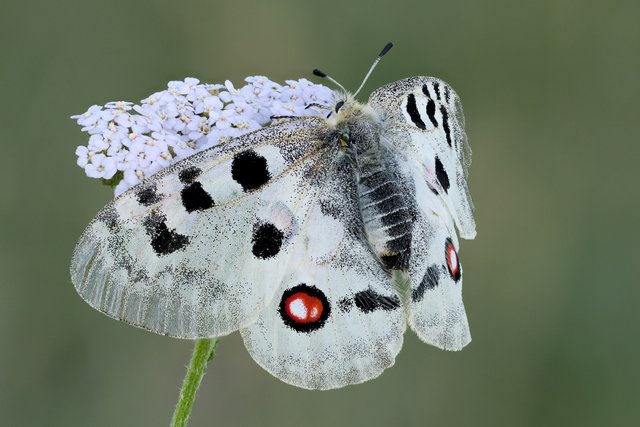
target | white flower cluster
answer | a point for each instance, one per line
(129, 142)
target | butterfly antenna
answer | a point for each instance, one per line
(324, 75)
(382, 53)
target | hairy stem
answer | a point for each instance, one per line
(203, 352)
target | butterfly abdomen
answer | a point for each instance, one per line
(385, 216)
(383, 206)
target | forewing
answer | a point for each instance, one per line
(423, 119)
(199, 249)
(335, 320)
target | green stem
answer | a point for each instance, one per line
(203, 352)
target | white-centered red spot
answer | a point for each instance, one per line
(452, 261)
(303, 308)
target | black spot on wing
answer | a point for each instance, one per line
(195, 198)
(445, 124)
(425, 90)
(148, 196)
(369, 300)
(431, 112)
(249, 169)
(442, 176)
(163, 240)
(267, 240)
(188, 175)
(429, 281)
(436, 89)
(447, 93)
(412, 109)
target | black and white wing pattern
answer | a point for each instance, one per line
(195, 251)
(336, 318)
(436, 310)
(262, 234)
(301, 235)
(422, 118)
(423, 124)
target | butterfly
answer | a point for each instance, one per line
(319, 239)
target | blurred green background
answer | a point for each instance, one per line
(550, 91)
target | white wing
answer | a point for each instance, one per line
(197, 250)
(336, 319)
(262, 235)
(436, 310)
(424, 126)
(423, 118)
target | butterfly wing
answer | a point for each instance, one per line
(436, 310)
(336, 319)
(423, 118)
(424, 127)
(198, 249)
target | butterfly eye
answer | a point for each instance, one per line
(345, 138)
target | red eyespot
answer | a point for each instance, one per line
(304, 308)
(453, 263)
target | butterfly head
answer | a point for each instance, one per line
(355, 124)
(349, 117)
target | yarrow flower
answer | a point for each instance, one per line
(130, 142)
